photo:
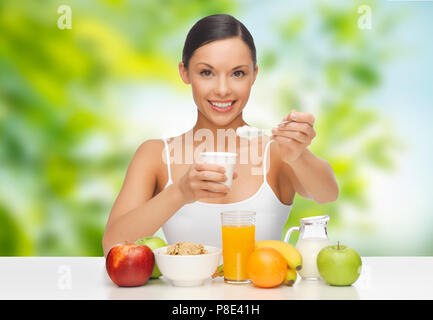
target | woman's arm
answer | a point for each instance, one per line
(144, 220)
(135, 214)
(312, 177)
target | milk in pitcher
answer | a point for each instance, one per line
(309, 248)
(313, 236)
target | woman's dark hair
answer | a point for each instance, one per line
(216, 27)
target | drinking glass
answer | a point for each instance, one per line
(238, 238)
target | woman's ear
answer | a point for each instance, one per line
(183, 73)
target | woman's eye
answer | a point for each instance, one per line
(205, 72)
(242, 73)
(237, 73)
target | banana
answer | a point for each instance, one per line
(291, 277)
(290, 253)
(219, 272)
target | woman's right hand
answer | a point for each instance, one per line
(203, 180)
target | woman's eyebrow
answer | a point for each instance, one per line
(243, 65)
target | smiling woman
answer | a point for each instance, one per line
(219, 61)
(186, 199)
(221, 89)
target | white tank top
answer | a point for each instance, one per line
(200, 222)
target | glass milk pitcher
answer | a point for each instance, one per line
(312, 238)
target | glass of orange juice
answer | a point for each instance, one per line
(238, 237)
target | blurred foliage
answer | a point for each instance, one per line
(352, 135)
(52, 105)
(57, 182)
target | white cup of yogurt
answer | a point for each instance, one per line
(225, 159)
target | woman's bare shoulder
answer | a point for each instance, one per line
(147, 157)
(153, 151)
(149, 147)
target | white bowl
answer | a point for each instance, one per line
(188, 270)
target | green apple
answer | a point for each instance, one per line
(339, 265)
(153, 243)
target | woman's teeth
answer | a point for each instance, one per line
(222, 105)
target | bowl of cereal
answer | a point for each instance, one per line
(186, 264)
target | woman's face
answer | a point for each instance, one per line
(221, 74)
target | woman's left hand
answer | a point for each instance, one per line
(294, 137)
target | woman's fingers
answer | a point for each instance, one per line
(209, 167)
(286, 140)
(302, 117)
(214, 172)
(299, 129)
(208, 180)
(295, 135)
(298, 126)
(212, 176)
(214, 186)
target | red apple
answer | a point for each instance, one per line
(130, 264)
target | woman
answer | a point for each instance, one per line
(185, 198)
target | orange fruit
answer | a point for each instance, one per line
(266, 267)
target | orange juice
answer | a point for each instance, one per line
(238, 244)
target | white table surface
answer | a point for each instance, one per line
(86, 278)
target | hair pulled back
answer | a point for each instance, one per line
(216, 27)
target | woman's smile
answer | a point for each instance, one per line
(222, 107)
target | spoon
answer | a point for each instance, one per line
(284, 122)
(253, 132)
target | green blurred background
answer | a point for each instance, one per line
(76, 103)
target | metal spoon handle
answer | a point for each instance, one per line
(284, 122)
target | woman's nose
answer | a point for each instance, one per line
(223, 88)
